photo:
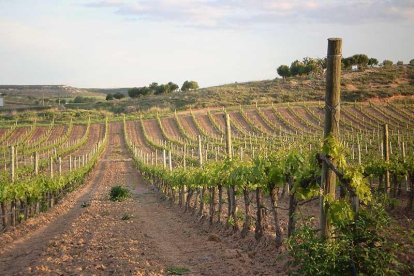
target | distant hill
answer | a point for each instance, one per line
(48, 91)
(109, 90)
(371, 84)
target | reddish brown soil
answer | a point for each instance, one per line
(58, 131)
(304, 115)
(377, 114)
(171, 128)
(39, 131)
(18, 133)
(279, 124)
(345, 116)
(207, 125)
(136, 135)
(95, 240)
(3, 131)
(153, 131)
(286, 114)
(188, 125)
(238, 119)
(219, 118)
(258, 121)
(77, 132)
(96, 133)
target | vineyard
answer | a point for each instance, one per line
(252, 173)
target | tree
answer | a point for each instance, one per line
(373, 62)
(387, 63)
(400, 63)
(283, 71)
(173, 87)
(162, 89)
(133, 92)
(153, 87)
(189, 85)
(81, 99)
(119, 96)
(313, 65)
(297, 68)
(138, 91)
(109, 97)
(412, 62)
(361, 60)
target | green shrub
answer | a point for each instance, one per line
(357, 247)
(119, 193)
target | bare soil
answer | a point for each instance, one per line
(88, 234)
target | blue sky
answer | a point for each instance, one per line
(119, 43)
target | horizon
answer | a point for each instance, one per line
(127, 43)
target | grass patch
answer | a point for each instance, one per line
(119, 193)
(85, 204)
(126, 217)
(176, 270)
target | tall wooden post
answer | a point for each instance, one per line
(386, 149)
(331, 130)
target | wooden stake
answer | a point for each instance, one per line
(12, 168)
(386, 149)
(170, 160)
(228, 137)
(60, 166)
(36, 163)
(331, 130)
(51, 167)
(164, 158)
(200, 151)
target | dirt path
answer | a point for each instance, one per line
(96, 240)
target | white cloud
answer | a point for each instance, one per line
(231, 13)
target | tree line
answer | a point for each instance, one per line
(316, 66)
(155, 89)
(158, 89)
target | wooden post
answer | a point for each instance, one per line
(16, 158)
(70, 163)
(331, 130)
(12, 164)
(185, 156)
(200, 151)
(228, 137)
(60, 166)
(51, 167)
(36, 163)
(386, 149)
(170, 160)
(164, 158)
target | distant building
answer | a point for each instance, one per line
(1, 101)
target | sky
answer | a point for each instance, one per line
(125, 43)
